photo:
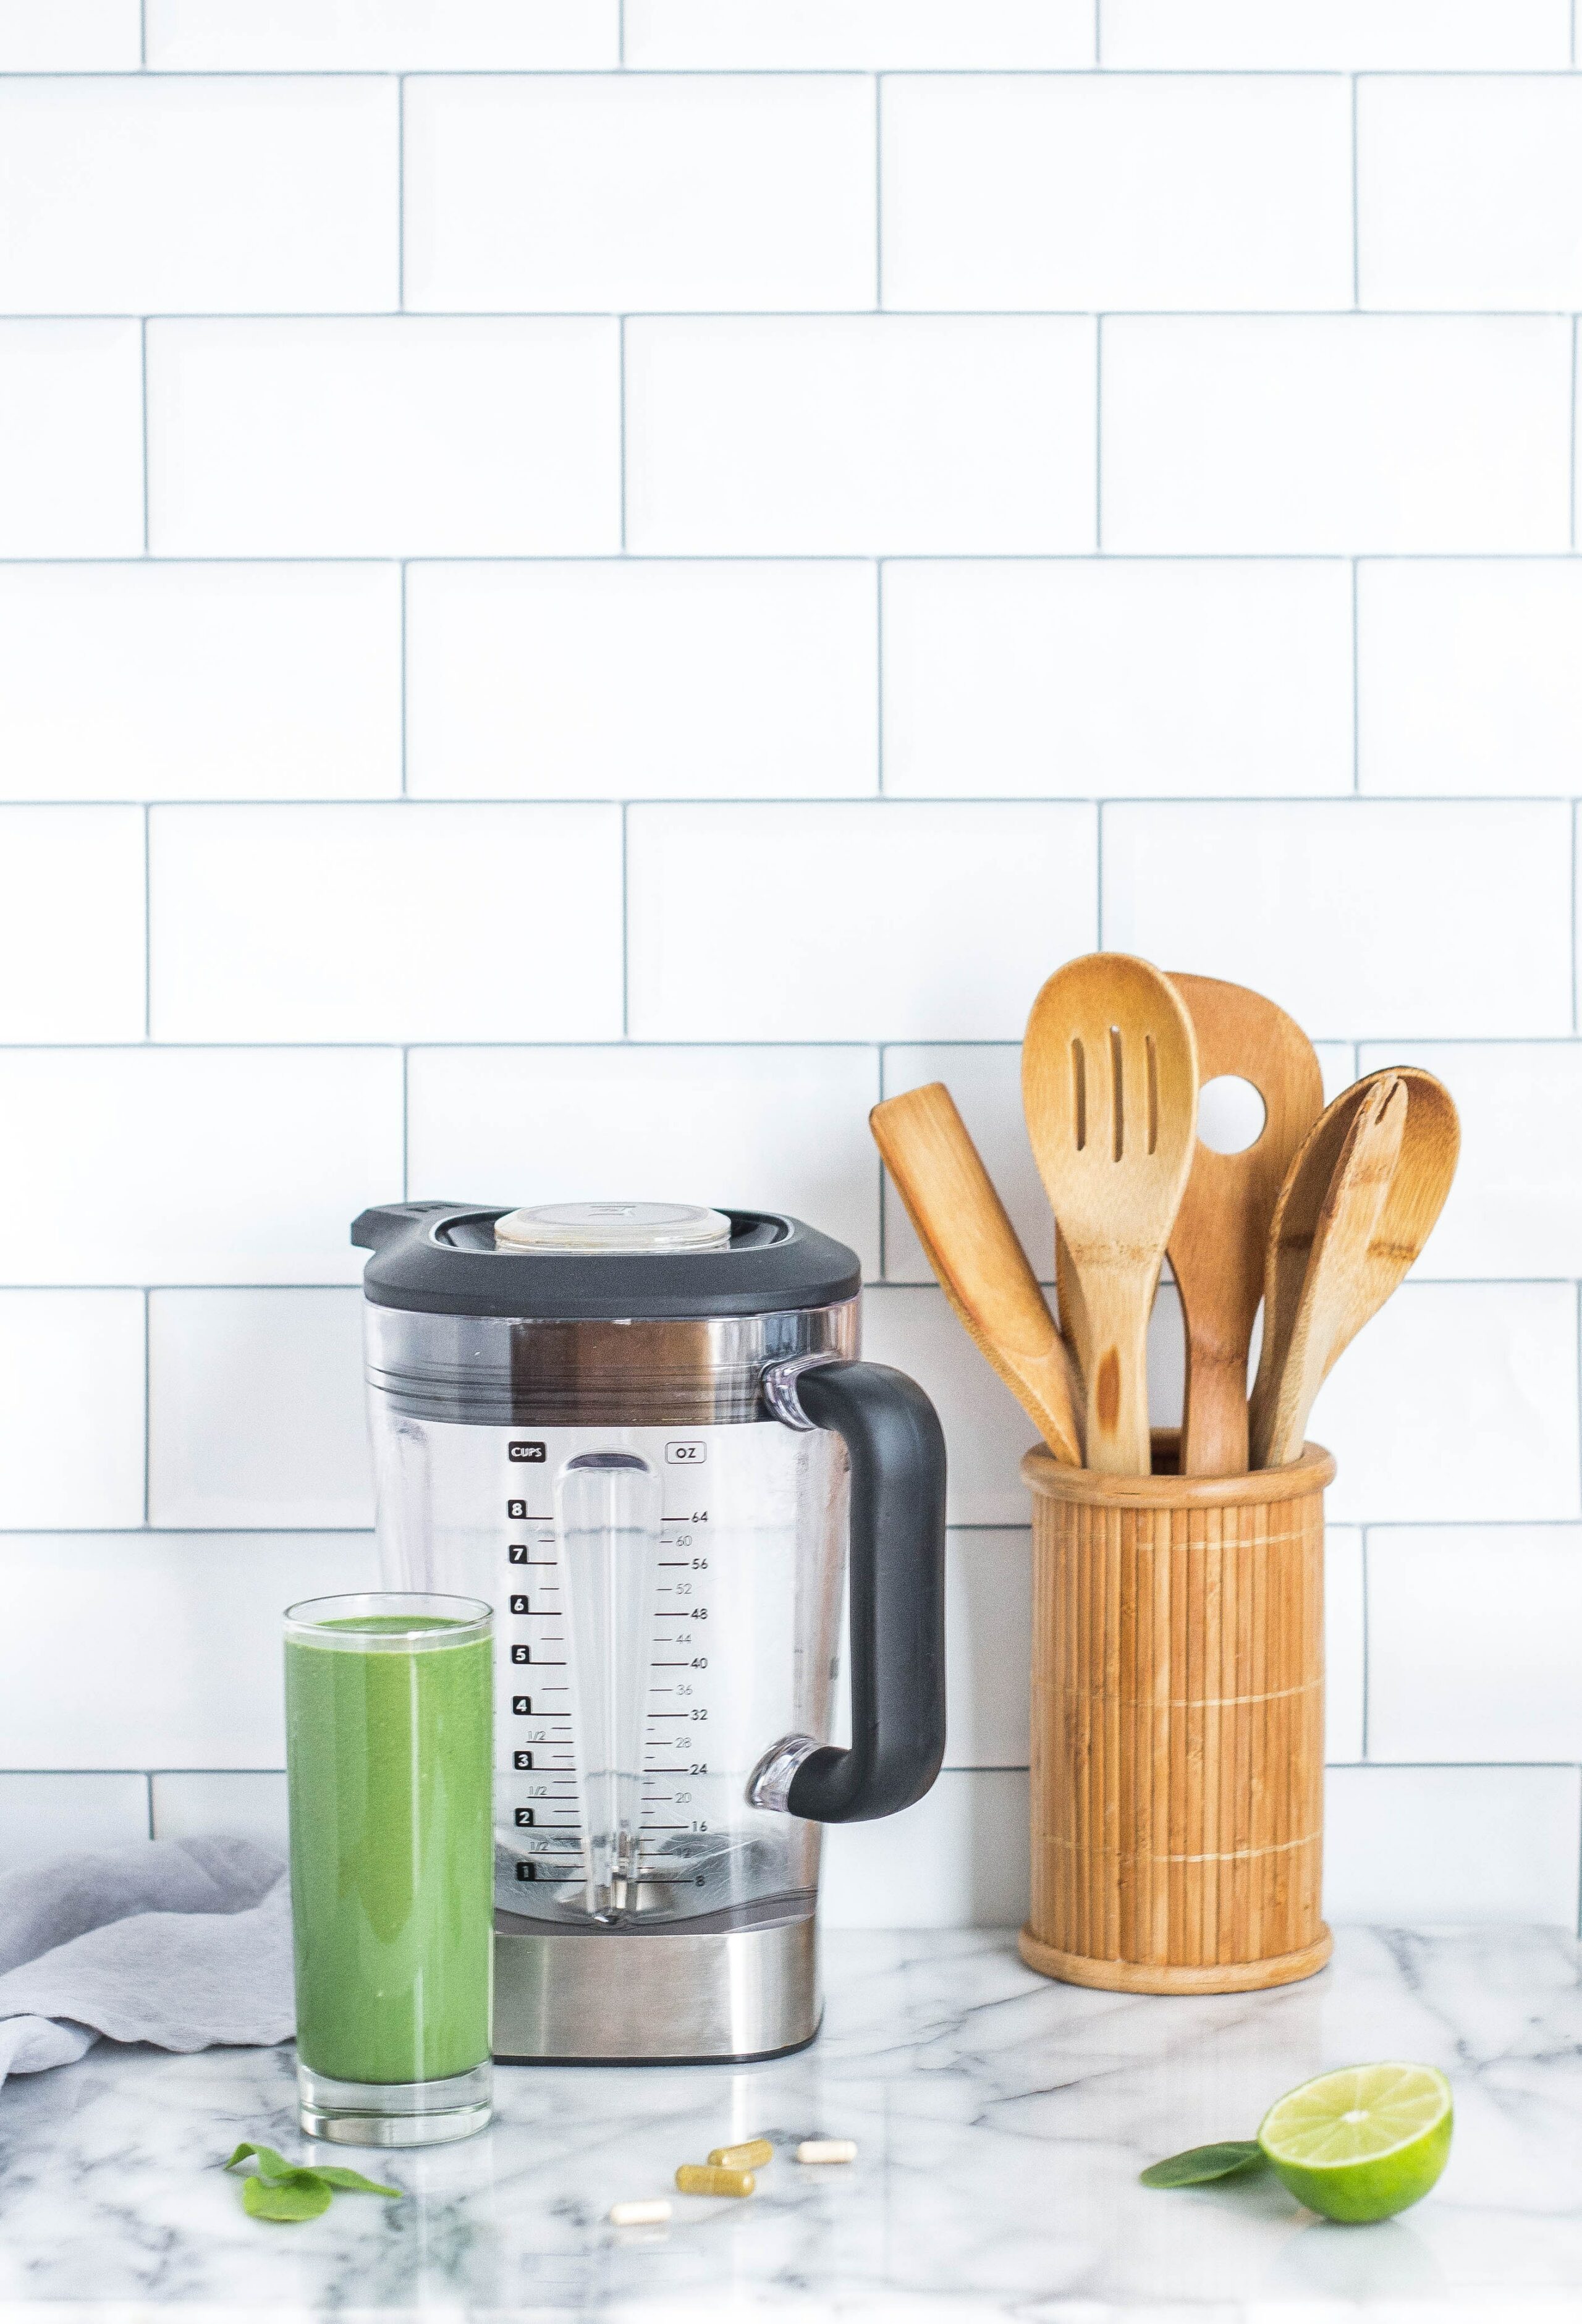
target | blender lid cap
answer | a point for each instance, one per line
(464, 1258)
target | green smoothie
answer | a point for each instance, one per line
(389, 1753)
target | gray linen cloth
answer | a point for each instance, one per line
(180, 1942)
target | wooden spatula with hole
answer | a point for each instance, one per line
(1219, 1242)
(1313, 1306)
(972, 1249)
(1109, 1084)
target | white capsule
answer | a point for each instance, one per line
(828, 2150)
(640, 2215)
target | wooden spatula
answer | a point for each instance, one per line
(972, 1249)
(1420, 1180)
(1220, 1239)
(1109, 1082)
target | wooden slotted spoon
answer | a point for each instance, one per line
(1109, 1082)
(972, 1249)
(1219, 1243)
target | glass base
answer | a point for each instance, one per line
(396, 2113)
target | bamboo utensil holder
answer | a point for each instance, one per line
(1178, 1725)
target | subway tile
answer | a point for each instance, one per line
(69, 36)
(1469, 674)
(156, 1650)
(1343, 36)
(389, 923)
(1310, 433)
(382, 36)
(1467, 191)
(886, 921)
(299, 185)
(564, 192)
(888, 33)
(607, 678)
(1112, 191)
(1354, 916)
(199, 682)
(241, 1803)
(256, 1409)
(859, 434)
(1344, 1644)
(772, 1129)
(384, 436)
(987, 1431)
(1427, 1844)
(70, 439)
(1515, 1208)
(1456, 1404)
(988, 1597)
(221, 1164)
(1474, 1641)
(71, 924)
(1021, 678)
(71, 1391)
(986, 1082)
(957, 1860)
(46, 1816)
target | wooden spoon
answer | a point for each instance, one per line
(972, 1249)
(1220, 1239)
(1429, 1144)
(1109, 1082)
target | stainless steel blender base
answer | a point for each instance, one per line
(609, 1996)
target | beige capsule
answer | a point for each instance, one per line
(709, 2179)
(828, 2150)
(750, 2155)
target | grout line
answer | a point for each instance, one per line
(621, 32)
(621, 386)
(142, 359)
(1099, 434)
(1355, 209)
(147, 922)
(1099, 877)
(1097, 32)
(878, 192)
(625, 932)
(402, 680)
(1572, 510)
(405, 1126)
(879, 676)
(1573, 33)
(142, 34)
(532, 557)
(147, 1401)
(401, 191)
(1365, 1671)
(1574, 1016)
(1356, 759)
(148, 1789)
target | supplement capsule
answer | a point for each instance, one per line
(750, 2155)
(709, 2179)
(828, 2150)
(640, 2215)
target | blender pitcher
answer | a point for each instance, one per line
(640, 1432)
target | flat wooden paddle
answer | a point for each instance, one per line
(1109, 1082)
(1220, 1239)
(972, 1249)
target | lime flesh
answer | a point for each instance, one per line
(1362, 2144)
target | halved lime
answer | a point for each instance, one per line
(1363, 2143)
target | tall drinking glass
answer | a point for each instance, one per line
(390, 1770)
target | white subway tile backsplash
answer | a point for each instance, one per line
(1468, 189)
(72, 1408)
(68, 36)
(382, 36)
(616, 678)
(567, 191)
(892, 34)
(71, 924)
(1356, 917)
(1478, 1382)
(42, 1817)
(959, 1858)
(242, 1803)
(987, 1431)
(1343, 36)
(1474, 1637)
(98, 211)
(1019, 677)
(776, 1129)
(143, 680)
(156, 1650)
(1325, 433)
(393, 923)
(986, 1080)
(70, 439)
(879, 922)
(384, 436)
(194, 1166)
(1079, 190)
(988, 1598)
(1345, 1645)
(859, 435)
(255, 1410)
(1427, 1844)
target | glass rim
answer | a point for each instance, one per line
(463, 1620)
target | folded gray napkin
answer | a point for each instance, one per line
(180, 1942)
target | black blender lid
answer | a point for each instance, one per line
(441, 1259)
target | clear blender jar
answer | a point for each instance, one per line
(639, 1430)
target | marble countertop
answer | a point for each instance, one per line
(1002, 2121)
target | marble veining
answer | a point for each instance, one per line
(1001, 2120)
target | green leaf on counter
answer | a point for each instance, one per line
(334, 2174)
(271, 2165)
(1199, 2164)
(303, 2196)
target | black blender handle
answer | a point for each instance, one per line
(896, 1449)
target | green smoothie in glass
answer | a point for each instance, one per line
(389, 1758)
